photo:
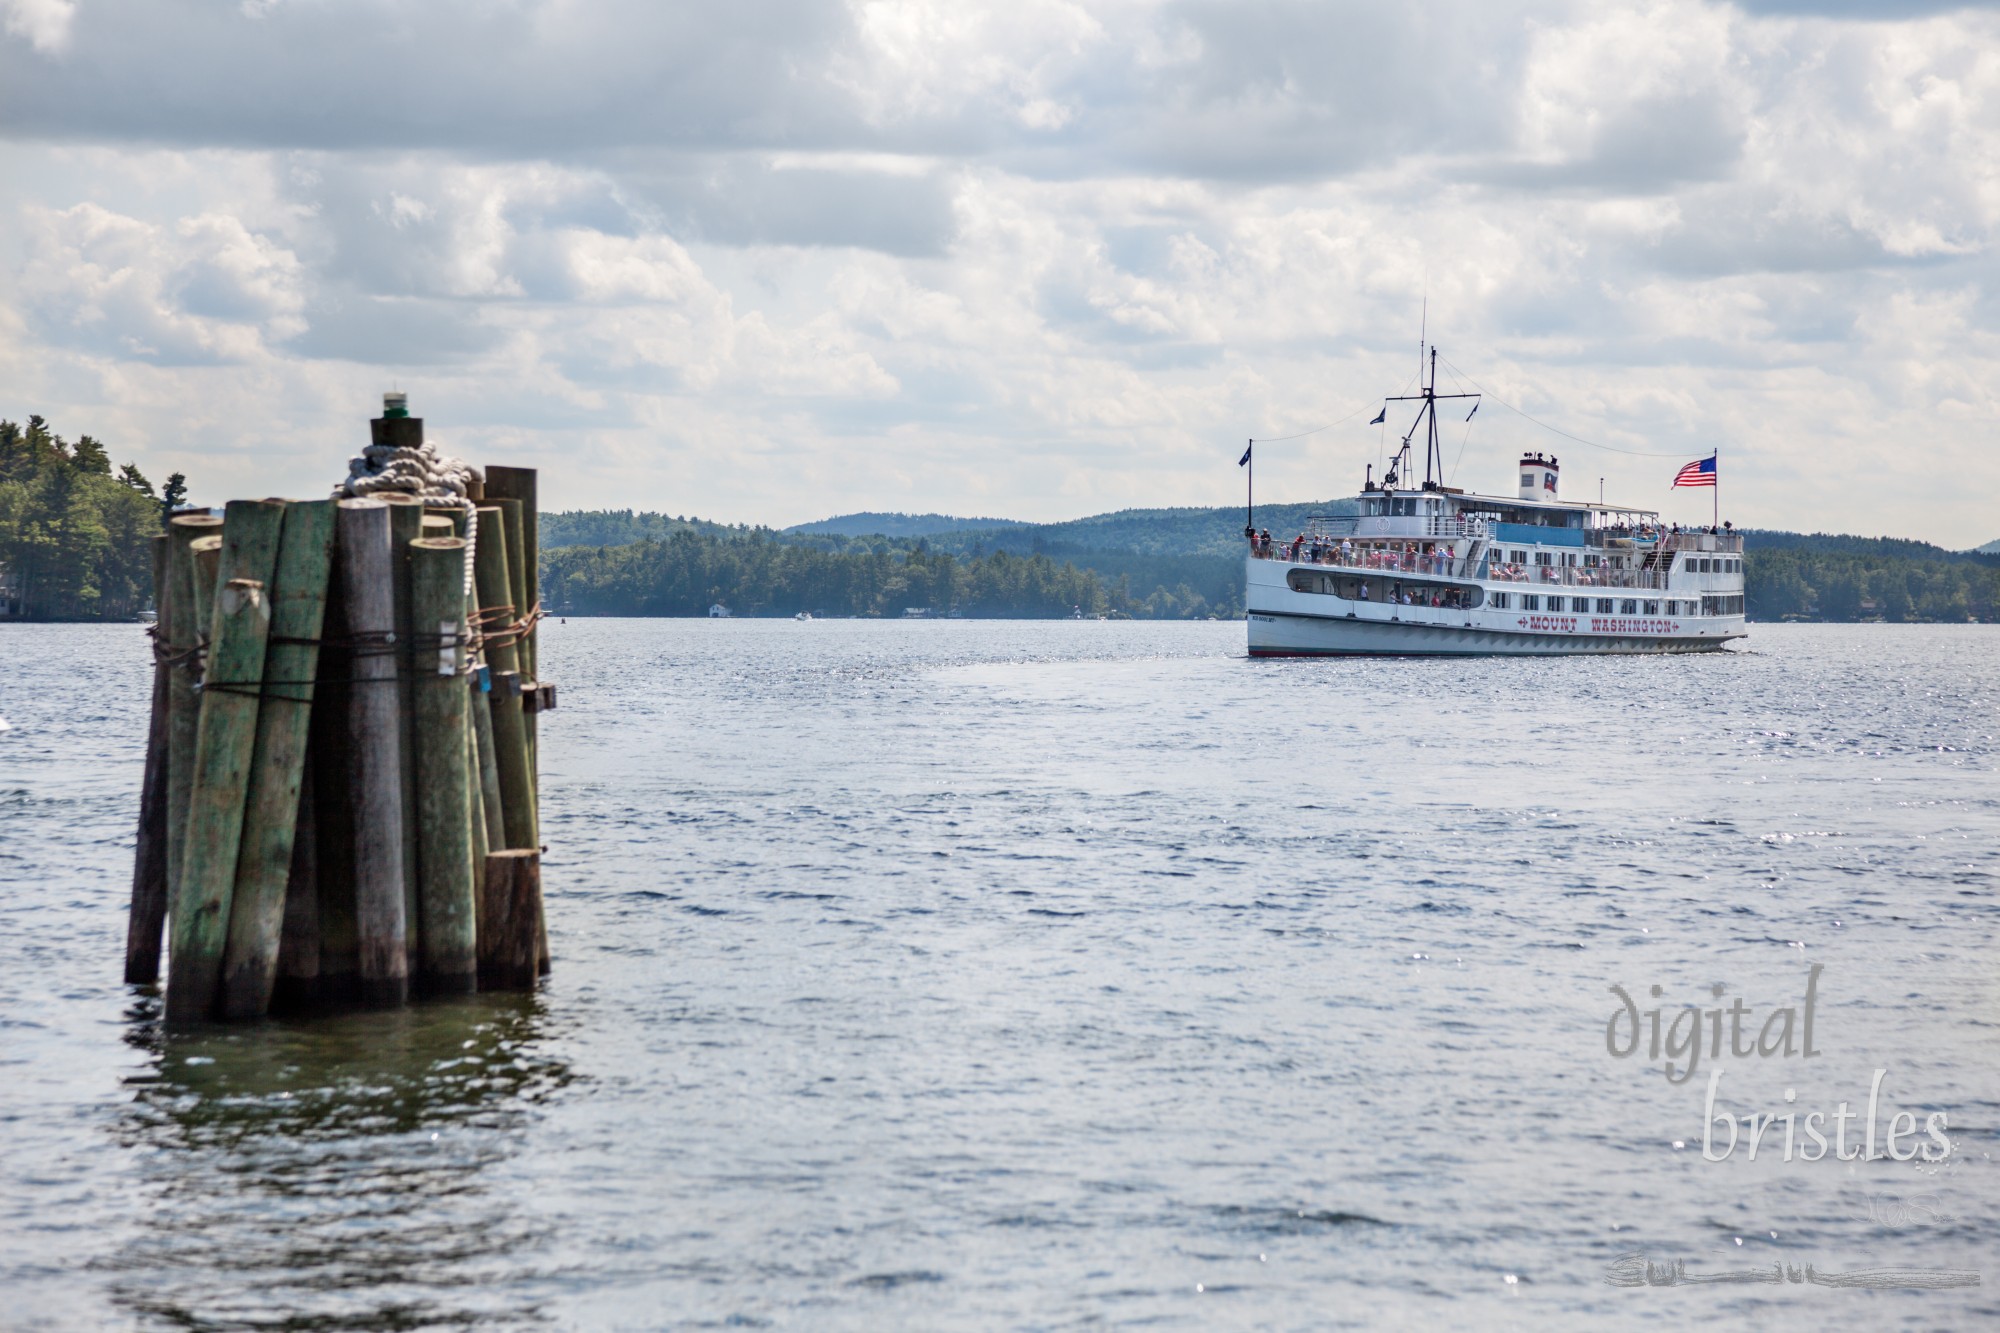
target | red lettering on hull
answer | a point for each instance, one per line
(1598, 625)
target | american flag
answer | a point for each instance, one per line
(1701, 472)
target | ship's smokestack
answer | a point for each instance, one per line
(1538, 477)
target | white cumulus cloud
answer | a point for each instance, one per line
(45, 23)
(787, 257)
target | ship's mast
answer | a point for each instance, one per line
(1427, 418)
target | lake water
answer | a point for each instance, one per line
(1042, 975)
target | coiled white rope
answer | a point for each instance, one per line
(423, 472)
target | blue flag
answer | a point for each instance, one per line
(1380, 416)
(1246, 454)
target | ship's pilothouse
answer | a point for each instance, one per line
(1521, 573)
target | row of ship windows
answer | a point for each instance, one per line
(1616, 606)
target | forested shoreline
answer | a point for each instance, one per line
(74, 531)
(1804, 581)
(681, 566)
(757, 574)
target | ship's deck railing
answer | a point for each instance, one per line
(1332, 525)
(1628, 539)
(1442, 565)
(1722, 543)
(1575, 576)
(1425, 527)
(1370, 560)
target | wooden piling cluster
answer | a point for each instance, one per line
(340, 799)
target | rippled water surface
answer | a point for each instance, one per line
(981, 975)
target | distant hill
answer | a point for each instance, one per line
(1835, 543)
(1194, 555)
(617, 527)
(897, 525)
(1179, 531)
(1162, 532)
(1991, 548)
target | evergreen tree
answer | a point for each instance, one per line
(73, 536)
(173, 497)
(89, 456)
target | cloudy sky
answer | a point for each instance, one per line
(776, 259)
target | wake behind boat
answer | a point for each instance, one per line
(1438, 570)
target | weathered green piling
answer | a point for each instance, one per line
(207, 554)
(481, 844)
(483, 782)
(509, 915)
(444, 790)
(149, 860)
(519, 483)
(297, 599)
(225, 743)
(483, 775)
(520, 580)
(297, 985)
(183, 703)
(517, 792)
(374, 738)
(406, 524)
(339, 978)
(492, 809)
(506, 496)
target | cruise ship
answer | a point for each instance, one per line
(1433, 570)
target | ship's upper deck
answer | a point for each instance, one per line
(1442, 513)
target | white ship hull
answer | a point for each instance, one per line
(1286, 623)
(1382, 635)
